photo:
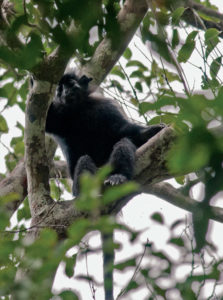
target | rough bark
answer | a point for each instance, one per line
(35, 151)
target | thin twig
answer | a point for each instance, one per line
(135, 272)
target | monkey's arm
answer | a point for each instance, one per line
(140, 134)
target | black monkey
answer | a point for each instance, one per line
(92, 131)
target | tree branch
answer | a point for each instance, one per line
(190, 17)
(172, 195)
(105, 56)
(150, 166)
(16, 184)
(151, 158)
(207, 11)
(35, 151)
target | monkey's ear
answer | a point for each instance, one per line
(84, 80)
(31, 81)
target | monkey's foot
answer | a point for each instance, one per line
(115, 179)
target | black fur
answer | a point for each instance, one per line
(92, 131)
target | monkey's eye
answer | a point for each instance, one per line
(71, 83)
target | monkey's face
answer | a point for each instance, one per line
(72, 88)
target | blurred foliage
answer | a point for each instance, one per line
(153, 87)
(39, 260)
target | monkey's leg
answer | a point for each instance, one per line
(122, 160)
(84, 163)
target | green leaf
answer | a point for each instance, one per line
(32, 53)
(8, 198)
(24, 211)
(4, 220)
(18, 6)
(118, 72)
(138, 86)
(10, 161)
(192, 35)
(170, 76)
(7, 56)
(210, 34)
(158, 218)
(186, 51)
(70, 265)
(172, 120)
(127, 54)
(162, 18)
(180, 179)
(10, 92)
(26, 57)
(144, 107)
(177, 14)
(24, 90)
(18, 144)
(79, 229)
(3, 125)
(161, 255)
(136, 63)
(175, 39)
(137, 74)
(68, 295)
(158, 44)
(117, 192)
(7, 90)
(55, 190)
(188, 48)
(134, 101)
(66, 185)
(215, 66)
(191, 152)
(211, 40)
(131, 286)
(115, 83)
(126, 264)
(177, 241)
(177, 223)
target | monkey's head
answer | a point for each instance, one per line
(71, 87)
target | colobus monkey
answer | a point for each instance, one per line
(92, 131)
